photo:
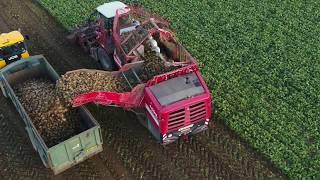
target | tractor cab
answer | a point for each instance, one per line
(107, 11)
(114, 32)
(12, 48)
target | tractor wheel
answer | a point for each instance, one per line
(105, 61)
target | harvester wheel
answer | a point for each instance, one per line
(105, 61)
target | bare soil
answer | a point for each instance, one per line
(129, 150)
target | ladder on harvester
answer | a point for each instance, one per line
(132, 78)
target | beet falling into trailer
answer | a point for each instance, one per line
(168, 92)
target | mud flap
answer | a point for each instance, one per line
(142, 118)
(154, 131)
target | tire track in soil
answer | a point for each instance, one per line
(3, 25)
(143, 159)
(148, 159)
(141, 156)
(61, 43)
(41, 41)
(125, 138)
(18, 159)
(211, 154)
(242, 159)
(47, 38)
(250, 170)
(109, 159)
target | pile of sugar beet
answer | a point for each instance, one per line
(49, 104)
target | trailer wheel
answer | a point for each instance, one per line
(105, 61)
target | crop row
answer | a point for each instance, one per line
(261, 60)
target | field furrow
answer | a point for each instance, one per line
(130, 152)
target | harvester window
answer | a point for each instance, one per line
(177, 89)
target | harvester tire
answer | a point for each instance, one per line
(105, 61)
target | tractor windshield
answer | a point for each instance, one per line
(14, 49)
(177, 89)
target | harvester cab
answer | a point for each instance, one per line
(177, 103)
(12, 48)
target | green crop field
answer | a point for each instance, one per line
(262, 61)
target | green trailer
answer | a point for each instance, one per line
(69, 152)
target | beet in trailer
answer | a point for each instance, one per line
(69, 152)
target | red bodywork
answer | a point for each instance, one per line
(187, 116)
(120, 56)
(142, 97)
(186, 113)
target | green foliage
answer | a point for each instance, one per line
(261, 60)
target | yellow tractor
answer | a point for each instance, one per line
(12, 48)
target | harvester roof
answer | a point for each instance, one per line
(177, 89)
(7, 39)
(109, 9)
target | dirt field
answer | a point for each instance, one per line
(129, 150)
